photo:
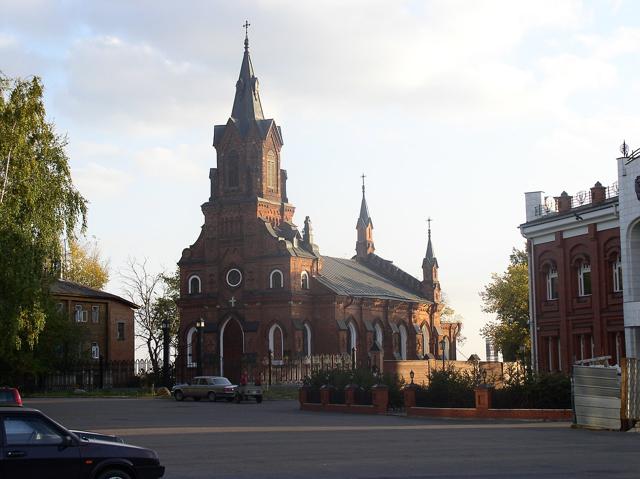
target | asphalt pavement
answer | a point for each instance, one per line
(277, 440)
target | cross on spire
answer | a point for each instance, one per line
(246, 34)
(429, 220)
(363, 177)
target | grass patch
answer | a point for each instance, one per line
(279, 392)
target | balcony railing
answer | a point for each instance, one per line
(581, 198)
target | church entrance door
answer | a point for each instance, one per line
(232, 349)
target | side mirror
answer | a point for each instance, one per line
(68, 441)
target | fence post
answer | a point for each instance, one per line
(269, 363)
(101, 372)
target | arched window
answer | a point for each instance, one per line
(552, 283)
(379, 335)
(191, 348)
(272, 174)
(425, 339)
(352, 337)
(232, 176)
(306, 340)
(276, 279)
(403, 341)
(194, 285)
(304, 280)
(446, 349)
(617, 275)
(584, 279)
(276, 343)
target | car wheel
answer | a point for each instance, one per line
(114, 474)
(258, 399)
(178, 395)
(212, 396)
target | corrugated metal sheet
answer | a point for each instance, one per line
(596, 396)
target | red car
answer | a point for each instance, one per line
(10, 397)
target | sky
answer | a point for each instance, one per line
(452, 110)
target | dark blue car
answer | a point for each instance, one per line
(34, 445)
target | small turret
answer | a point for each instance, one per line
(307, 237)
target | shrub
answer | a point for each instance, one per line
(448, 388)
(534, 391)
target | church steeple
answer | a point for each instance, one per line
(246, 104)
(364, 226)
(430, 283)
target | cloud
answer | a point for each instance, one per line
(100, 182)
(183, 163)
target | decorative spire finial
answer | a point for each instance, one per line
(624, 149)
(246, 34)
(429, 222)
(363, 177)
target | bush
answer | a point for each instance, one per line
(448, 388)
(534, 391)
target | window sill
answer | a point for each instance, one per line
(582, 302)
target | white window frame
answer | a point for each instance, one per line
(304, 280)
(403, 342)
(617, 275)
(272, 334)
(95, 314)
(191, 278)
(582, 271)
(190, 362)
(95, 350)
(81, 315)
(551, 275)
(271, 282)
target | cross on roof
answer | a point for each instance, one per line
(246, 28)
(363, 177)
(429, 222)
(233, 301)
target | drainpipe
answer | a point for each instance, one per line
(532, 310)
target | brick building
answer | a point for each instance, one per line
(258, 285)
(575, 277)
(106, 319)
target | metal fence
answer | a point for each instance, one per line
(293, 371)
(98, 374)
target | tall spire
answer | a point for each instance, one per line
(364, 219)
(246, 104)
(364, 226)
(430, 256)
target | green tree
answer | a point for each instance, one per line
(84, 264)
(38, 205)
(507, 296)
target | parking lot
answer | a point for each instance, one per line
(275, 439)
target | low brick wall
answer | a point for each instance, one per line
(483, 409)
(379, 393)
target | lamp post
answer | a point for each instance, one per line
(200, 329)
(443, 343)
(165, 353)
(412, 375)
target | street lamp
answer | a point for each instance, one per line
(200, 329)
(443, 343)
(165, 353)
(411, 375)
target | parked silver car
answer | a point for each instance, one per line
(210, 387)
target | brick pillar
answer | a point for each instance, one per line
(349, 394)
(380, 397)
(483, 397)
(563, 201)
(303, 395)
(325, 394)
(409, 392)
(598, 193)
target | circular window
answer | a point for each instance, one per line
(234, 277)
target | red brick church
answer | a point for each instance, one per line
(254, 284)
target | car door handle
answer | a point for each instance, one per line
(16, 453)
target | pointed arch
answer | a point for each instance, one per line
(379, 335)
(306, 339)
(225, 325)
(276, 279)
(403, 341)
(446, 350)
(190, 348)
(304, 280)
(425, 339)
(352, 336)
(194, 284)
(276, 343)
